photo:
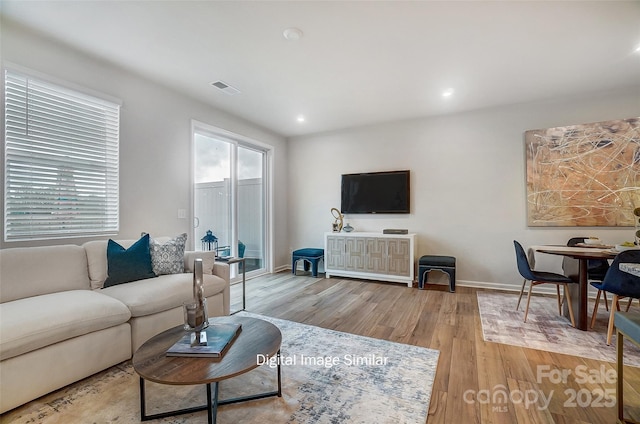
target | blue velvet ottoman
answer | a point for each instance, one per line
(309, 256)
(442, 263)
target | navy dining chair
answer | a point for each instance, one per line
(542, 277)
(596, 270)
(620, 284)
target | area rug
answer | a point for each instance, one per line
(546, 330)
(351, 379)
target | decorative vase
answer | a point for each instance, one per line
(348, 228)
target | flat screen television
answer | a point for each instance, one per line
(375, 192)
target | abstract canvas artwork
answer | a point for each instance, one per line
(584, 175)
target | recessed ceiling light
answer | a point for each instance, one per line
(447, 93)
(637, 49)
(292, 34)
(300, 118)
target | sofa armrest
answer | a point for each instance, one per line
(209, 264)
(221, 269)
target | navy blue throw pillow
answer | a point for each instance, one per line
(126, 265)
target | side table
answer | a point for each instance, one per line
(232, 261)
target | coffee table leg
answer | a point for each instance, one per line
(212, 403)
(259, 395)
(279, 377)
(211, 406)
(143, 413)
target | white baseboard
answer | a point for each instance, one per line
(500, 286)
(299, 267)
(282, 268)
(544, 289)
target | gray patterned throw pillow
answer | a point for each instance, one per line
(168, 257)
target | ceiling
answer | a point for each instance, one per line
(357, 63)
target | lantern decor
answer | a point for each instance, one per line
(210, 242)
(195, 312)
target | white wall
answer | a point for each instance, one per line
(155, 139)
(467, 181)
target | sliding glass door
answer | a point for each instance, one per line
(250, 214)
(229, 196)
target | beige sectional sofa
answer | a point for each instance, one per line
(59, 325)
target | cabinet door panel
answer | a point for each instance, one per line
(335, 254)
(399, 259)
(355, 260)
(376, 255)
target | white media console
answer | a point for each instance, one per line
(373, 256)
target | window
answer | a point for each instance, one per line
(61, 161)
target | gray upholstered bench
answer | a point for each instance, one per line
(627, 325)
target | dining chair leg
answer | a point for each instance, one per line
(559, 299)
(614, 307)
(629, 304)
(606, 302)
(568, 299)
(526, 311)
(524, 283)
(595, 308)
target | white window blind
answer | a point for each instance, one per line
(61, 161)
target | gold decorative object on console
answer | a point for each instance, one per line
(337, 224)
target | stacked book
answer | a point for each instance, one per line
(213, 341)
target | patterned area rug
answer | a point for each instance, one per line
(546, 330)
(337, 378)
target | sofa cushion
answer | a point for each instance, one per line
(35, 322)
(32, 271)
(208, 260)
(168, 257)
(146, 297)
(97, 259)
(131, 264)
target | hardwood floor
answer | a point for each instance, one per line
(471, 373)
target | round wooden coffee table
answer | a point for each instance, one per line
(258, 337)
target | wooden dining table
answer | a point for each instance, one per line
(579, 292)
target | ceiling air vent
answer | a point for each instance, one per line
(226, 88)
